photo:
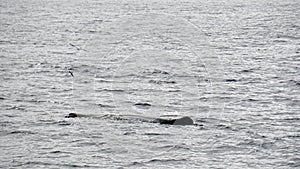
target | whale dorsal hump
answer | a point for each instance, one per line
(184, 121)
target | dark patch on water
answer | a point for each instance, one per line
(247, 71)
(252, 100)
(114, 90)
(175, 147)
(292, 119)
(231, 80)
(157, 134)
(56, 152)
(143, 104)
(297, 83)
(25, 132)
(293, 136)
(155, 160)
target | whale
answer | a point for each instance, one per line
(171, 121)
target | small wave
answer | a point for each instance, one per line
(25, 132)
(175, 147)
(63, 123)
(114, 90)
(288, 37)
(157, 71)
(293, 136)
(162, 82)
(156, 134)
(224, 126)
(43, 122)
(294, 162)
(38, 164)
(166, 160)
(280, 41)
(7, 42)
(156, 160)
(105, 105)
(292, 119)
(16, 108)
(297, 83)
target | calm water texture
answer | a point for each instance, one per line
(233, 66)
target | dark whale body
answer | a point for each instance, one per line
(177, 121)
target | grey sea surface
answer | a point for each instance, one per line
(233, 66)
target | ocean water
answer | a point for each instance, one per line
(233, 66)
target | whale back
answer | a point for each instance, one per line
(184, 121)
(179, 121)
